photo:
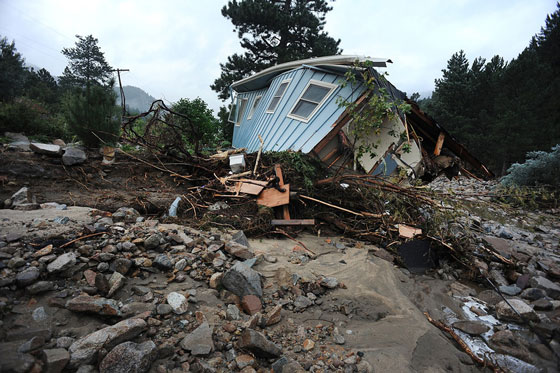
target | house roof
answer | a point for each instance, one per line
(263, 78)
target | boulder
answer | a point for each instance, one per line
(84, 350)
(551, 288)
(55, 360)
(62, 263)
(178, 302)
(199, 341)
(505, 312)
(258, 344)
(241, 280)
(47, 149)
(129, 357)
(100, 306)
(73, 156)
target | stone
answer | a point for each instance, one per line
(505, 342)
(121, 265)
(510, 289)
(302, 302)
(308, 345)
(44, 251)
(338, 338)
(126, 214)
(199, 341)
(13, 361)
(73, 156)
(55, 360)
(258, 344)
(152, 241)
(64, 342)
(533, 294)
(84, 350)
(164, 309)
(498, 278)
(90, 275)
(163, 262)
(274, 316)
(504, 311)
(471, 327)
(329, 282)
(129, 357)
(32, 344)
(237, 250)
(490, 297)
(116, 281)
(242, 280)
(39, 314)
(542, 305)
(232, 312)
(178, 302)
(240, 238)
(59, 142)
(251, 304)
(100, 306)
(102, 284)
(27, 276)
(62, 263)
(21, 197)
(47, 149)
(522, 281)
(215, 280)
(244, 360)
(136, 308)
(551, 288)
(40, 287)
(140, 290)
(181, 264)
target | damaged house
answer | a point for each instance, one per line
(297, 106)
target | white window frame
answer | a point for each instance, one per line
(268, 110)
(331, 87)
(254, 107)
(242, 108)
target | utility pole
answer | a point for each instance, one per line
(123, 100)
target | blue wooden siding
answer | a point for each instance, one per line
(282, 133)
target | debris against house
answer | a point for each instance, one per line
(296, 106)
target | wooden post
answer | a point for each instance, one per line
(439, 143)
(285, 209)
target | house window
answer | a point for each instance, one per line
(277, 96)
(233, 110)
(242, 106)
(254, 107)
(313, 96)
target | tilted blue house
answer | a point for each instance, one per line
(296, 106)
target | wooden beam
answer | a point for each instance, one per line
(272, 197)
(293, 222)
(329, 155)
(285, 209)
(439, 143)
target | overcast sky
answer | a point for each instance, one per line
(173, 48)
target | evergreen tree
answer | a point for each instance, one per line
(274, 32)
(12, 71)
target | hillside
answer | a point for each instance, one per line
(136, 99)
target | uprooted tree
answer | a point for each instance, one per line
(274, 32)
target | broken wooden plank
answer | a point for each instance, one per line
(253, 187)
(292, 222)
(439, 143)
(285, 209)
(258, 155)
(407, 231)
(273, 197)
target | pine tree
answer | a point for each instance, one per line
(274, 32)
(12, 71)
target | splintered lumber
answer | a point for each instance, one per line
(407, 231)
(439, 143)
(258, 155)
(292, 222)
(271, 197)
(253, 187)
(285, 209)
(331, 205)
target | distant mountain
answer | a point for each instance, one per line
(135, 98)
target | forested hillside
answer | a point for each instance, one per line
(136, 99)
(501, 110)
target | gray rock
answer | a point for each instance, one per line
(178, 302)
(101, 306)
(232, 312)
(27, 276)
(237, 250)
(242, 280)
(121, 265)
(181, 264)
(21, 197)
(64, 342)
(337, 337)
(135, 308)
(510, 290)
(152, 241)
(129, 357)
(116, 281)
(471, 327)
(240, 238)
(73, 156)
(84, 350)
(39, 314)
(302, 302)
(32, 344)
(498, 278)
(258, 344)
(533, 294)
(199, 341)
(505, 342)
(164, 309)
(47, 149)
(55, 360)
(505, 312)
(126, 214)
(551, 288)
(503, 232)
(329, 282)
(163, 262)
(62, 263)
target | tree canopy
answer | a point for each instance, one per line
(12, 71)
(274, 32)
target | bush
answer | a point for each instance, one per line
(31, 118)
(93, 116)
(540, 168)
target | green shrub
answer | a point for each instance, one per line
(92, 116)
(540, 168)
(31, 118)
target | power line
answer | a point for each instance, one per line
(37, 21)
